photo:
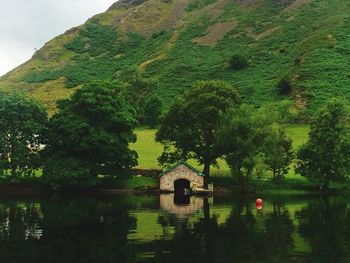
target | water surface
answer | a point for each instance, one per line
(163, 228)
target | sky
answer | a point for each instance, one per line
(26, 25)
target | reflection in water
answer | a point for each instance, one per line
(325, 225)
(134, 229)
(181, 205)
(182, 199)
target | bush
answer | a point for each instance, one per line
(238, 62)
(284, 86)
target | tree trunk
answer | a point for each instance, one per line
(206, 172)
(206, 209)
(243, 185)
(325, 187)
(208, 236)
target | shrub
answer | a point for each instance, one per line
(238, 62)
(284, 86)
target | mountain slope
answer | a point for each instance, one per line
(180, 41)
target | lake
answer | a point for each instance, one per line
(131, 228)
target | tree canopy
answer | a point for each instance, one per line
(90, 135)
(278, 152)
(152, 110)
(326, 156)
(21, 123)
(188, 129)
(241, 138)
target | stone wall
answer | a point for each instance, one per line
(180, 172)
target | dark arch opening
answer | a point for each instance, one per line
(182, 186)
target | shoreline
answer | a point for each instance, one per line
(23, 190)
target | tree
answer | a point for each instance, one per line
(238, 62)
(188, 129)
(241, 138)
(284, 86)
(137, 90)
(89, 136)
(326, 155)
(21, 123)
(278, 152)
(152, 110)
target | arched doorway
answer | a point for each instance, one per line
(182, 186)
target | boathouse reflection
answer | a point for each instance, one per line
(182, 205)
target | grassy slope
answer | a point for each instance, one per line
(179, 42)
(148, 150)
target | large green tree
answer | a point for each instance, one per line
(188, 129)
(90, 135)
(326, 155)
(278, 152)
(241, 138)
(152, 110)
(21, 123)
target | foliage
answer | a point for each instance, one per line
(94, 38)
(238, 62)
(70, 171)
(152, 110)
(284, 111)
(21, 123)
(278, 152)
(241, 138)
(274, 44)
(197, 4)
(90, 135)
(326, 155)
(188, 129)
(284, 86)
(138, 91)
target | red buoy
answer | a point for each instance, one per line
(259, 203)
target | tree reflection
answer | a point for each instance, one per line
(103, 230)
(325, 224)
(66, 230)
(244, 237)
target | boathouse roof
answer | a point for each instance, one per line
(181, 163)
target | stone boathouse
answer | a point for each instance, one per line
(181, 176)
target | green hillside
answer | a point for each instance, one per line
(180, 41)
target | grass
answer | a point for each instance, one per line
(128, 183)
(148, 151)
(298, 134)
(293, 184)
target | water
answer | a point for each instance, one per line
(132, 228)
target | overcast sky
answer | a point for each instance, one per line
(29, 24)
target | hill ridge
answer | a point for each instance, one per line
(178, 42)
